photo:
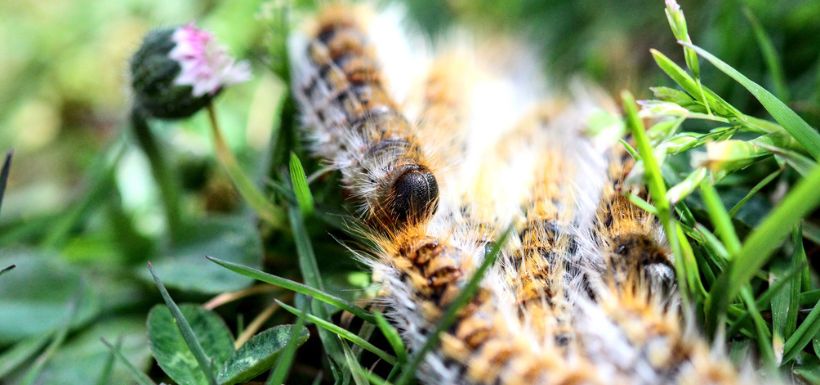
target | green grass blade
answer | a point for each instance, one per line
(295, 287)
(793, 123)
(764, 300)
(140, 377)
(20, 353)
(4, 175)
(792, 297)
(356, 370)
(108, 367)
(271, 214)
(769, 56)
(809, 297)
(280, 372)
(685, 265)
(764, 336)
(763, 183)
(310, 273)
(720, 218)
(341, 332)
(713, 102)
(449, 316)
(300, 186)
(185, 329)
(392, 336)
(803, 335)
(760, 244)
(7, 269)
(642, 203)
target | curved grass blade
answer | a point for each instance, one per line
(294, 286)
(803, 335)
(793, 123)
(341, 332)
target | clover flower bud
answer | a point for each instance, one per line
(177, 71)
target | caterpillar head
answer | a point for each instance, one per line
(409, 197)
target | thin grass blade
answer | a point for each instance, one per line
(299, 183)
(392, 336)
(803, 335)
(140, 377)
(4, 175)
(185, 329)
(449, 316)
(806, 135)
(280, 372)
(296, 287)
(760, 244)
(341, 332)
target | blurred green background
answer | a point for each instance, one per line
(64, 101)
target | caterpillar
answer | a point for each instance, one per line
(583, 291)
(357, 126)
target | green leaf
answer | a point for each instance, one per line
(258, 354)
(806, 135)
(230, 238)
(31, 304)
(299, 183)
(172, 351)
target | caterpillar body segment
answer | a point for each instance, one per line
(356, 125)
(630, 240)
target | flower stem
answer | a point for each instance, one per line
(246, 187)
(161, 171)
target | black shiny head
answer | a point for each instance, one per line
(413, 196)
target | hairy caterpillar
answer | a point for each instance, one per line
(582, 292)
(356, 125)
